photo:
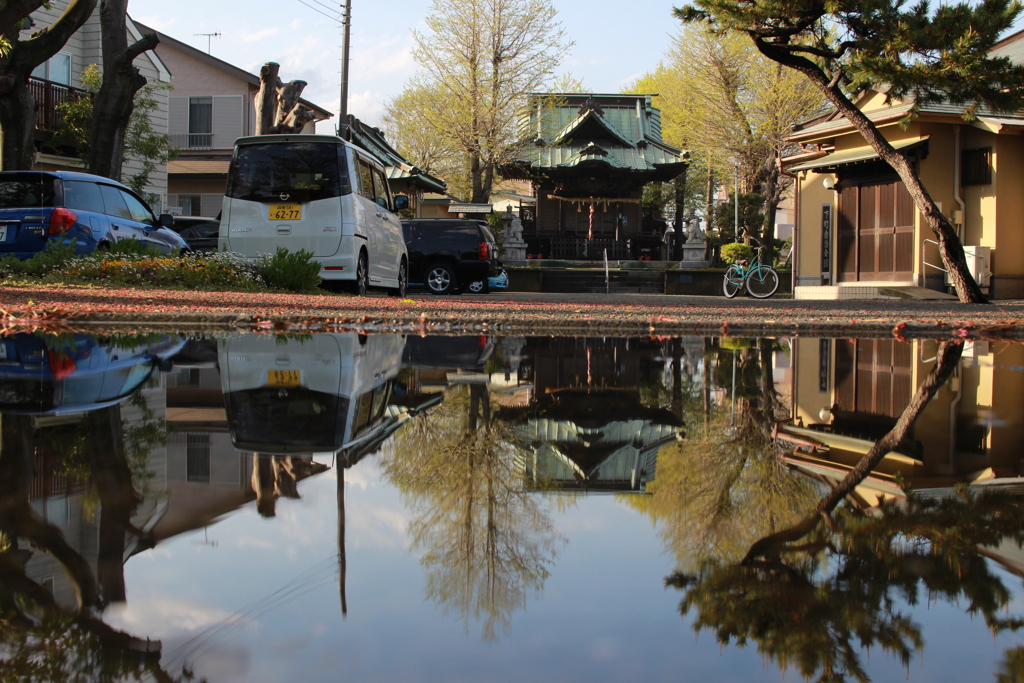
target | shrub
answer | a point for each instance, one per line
(731, 253)
(194, 271)
(294, 272)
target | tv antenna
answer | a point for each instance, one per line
(209, 38)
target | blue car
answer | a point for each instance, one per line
(499, 281)
(80, 372)
(88, 211)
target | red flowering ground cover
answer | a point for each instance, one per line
(28, 306)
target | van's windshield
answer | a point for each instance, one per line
(288, 172)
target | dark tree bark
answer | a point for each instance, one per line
(278, 109)
(17, 105)
(113, 104)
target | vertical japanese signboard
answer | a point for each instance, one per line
(826, 241)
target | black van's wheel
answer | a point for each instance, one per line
(440, 279)
(362, 282)
(403, 281)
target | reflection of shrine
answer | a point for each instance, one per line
(588, 425)
(848, 393)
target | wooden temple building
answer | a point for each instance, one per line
(588, 158)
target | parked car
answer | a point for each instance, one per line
(318, 193)
(449, 255)
(85, 210)
(201, 232)
(499, 281)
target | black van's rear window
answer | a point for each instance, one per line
(26, 190)
(288, 172)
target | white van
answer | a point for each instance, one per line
(318, 193)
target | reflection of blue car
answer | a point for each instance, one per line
(81, 372)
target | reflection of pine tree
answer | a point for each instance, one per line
(486, 541)
(812, 595)
(1011, 669)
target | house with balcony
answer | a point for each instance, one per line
(59, 80)
(211, 105)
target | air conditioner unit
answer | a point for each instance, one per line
(979, 264)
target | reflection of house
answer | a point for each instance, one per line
(858, 230)
(210, 107)
(589, 158)
(59, 80)
(847, 393)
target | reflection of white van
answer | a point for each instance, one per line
(318, 193)
(315, 395)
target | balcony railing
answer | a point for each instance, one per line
(48, 96)
(193, 141)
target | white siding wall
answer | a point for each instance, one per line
(227, 120)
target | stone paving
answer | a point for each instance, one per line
(505, 312)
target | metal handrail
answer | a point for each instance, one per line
(931, 265)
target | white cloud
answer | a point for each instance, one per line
(159, 23)
(251, 37)
(161, 616)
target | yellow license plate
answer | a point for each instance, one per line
(285, 212)
(283, 378)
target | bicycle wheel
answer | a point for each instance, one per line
(763, 282)
(733, 281)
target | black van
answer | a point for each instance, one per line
(450, 255)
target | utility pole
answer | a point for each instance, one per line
(346, 20)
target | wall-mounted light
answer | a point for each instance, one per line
(829, 182)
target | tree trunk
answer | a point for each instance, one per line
(17, 105)
(278, 109)
(113, 104)
(950, 248)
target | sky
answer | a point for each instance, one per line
(615, 43)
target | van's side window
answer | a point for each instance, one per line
(365, 180)
(380, 188)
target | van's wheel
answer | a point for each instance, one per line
(403, 281)
(440, 279)
(362, 282)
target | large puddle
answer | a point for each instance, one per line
(399, 508)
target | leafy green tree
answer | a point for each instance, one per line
(142, 141)
(732, 108)
(915, 52)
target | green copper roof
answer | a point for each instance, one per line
(621, 132)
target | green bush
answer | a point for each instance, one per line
(53, 256)
(294, 272)
(731, 253)
(193, 271)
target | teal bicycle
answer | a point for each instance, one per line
(761, 280)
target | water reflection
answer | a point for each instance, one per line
(808, 493)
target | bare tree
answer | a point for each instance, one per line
(481, 57)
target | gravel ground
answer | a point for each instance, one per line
(118, 309)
